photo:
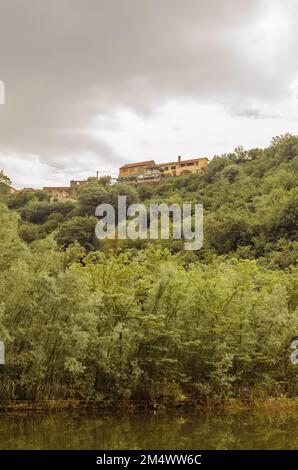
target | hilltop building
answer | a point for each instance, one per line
(62, 192)
(183, 167)
(58, 192)
(149, 170)
(140, 172)
(135, 169)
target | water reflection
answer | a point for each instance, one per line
(199, 430)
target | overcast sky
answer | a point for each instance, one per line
(93, 84)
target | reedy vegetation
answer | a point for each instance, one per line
(141, 320)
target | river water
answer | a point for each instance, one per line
(197, 430)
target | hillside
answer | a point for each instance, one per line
(249, 197)
(150, 321)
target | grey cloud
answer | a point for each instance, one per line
(250, 112)
(66, 61)
(254, 113)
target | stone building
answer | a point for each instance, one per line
(63, 192)
(75, 184)
(149, 170)
(25, 190)
(58, 192)
(135, 169)
(183, 167)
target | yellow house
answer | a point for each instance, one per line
(135, 169)
(183, 167)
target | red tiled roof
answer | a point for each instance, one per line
(131, 165)
(183, 161)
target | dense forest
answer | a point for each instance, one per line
(90, 319)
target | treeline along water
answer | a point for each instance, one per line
(141, 320)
